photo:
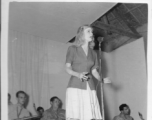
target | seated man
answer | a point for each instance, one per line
(54, 112)
(18, 110)
(125, 113)
(40, 111)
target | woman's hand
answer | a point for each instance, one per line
(83, 76)
(106, 80)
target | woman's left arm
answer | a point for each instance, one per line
(96, 74)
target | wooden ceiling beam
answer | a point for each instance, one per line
(125, 20)
(111, 28)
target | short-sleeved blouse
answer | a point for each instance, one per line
(80, 62)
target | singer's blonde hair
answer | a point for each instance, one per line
(79, 40)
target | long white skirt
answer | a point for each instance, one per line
(82, 104)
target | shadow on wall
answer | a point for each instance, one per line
(111, 87)
(104, 68)
(27, 100)
(61, 104)
(114, 88)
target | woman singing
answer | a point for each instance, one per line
(81, 64)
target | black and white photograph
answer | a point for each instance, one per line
(75, 60)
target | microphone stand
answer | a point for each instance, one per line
(100, 39)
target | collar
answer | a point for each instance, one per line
(19, 105)
(124, 116)
(51, 109)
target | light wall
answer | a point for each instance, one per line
(126, 68)
(36, 66)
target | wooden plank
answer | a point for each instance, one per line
(120, 15)
(111, 28)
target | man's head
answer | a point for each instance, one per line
(55, 102)
(40, 110)
(21, 97)
(124, 108)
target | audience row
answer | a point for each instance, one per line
(55, 112)
(19, 112)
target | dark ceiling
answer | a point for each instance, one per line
(122, 20)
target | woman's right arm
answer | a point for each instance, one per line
(70, 71)
(76, 74)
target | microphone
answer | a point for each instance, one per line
(100, 39)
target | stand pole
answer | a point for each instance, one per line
(102, 100)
